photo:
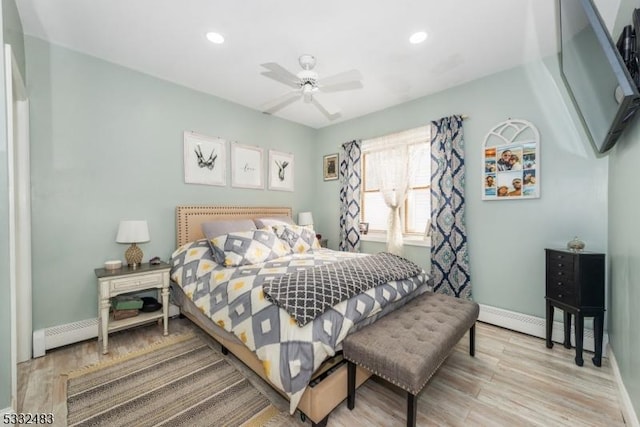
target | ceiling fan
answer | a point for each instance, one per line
(308, 87)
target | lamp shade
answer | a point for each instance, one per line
(305, 218)
(133, 232)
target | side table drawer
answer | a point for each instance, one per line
(566, 277)
(137, 282)
(562, 258)
(563, 292)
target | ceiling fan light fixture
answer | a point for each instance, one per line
(307, 92)
(308, 88)
(418, 37)
(214, 37)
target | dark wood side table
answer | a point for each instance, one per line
(575, 284)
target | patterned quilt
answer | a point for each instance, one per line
(234, 299)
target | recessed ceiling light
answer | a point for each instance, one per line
(418, 37)
(215, 38)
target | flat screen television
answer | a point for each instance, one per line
(594, 73)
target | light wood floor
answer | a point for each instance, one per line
(514, 380)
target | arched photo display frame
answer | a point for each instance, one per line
(511, 162)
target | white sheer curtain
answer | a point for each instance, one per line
(393, 170)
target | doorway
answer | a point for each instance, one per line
(19, 217)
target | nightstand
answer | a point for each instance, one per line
(575, 284)
(125, 280)
(324, 243)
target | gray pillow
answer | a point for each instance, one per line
(268, 221)
(218, 228)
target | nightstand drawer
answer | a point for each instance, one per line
(137, 282)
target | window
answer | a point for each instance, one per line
(416, 209)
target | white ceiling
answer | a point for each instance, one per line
(468, 39)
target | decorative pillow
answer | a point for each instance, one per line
(299, 238)
(272, 220)
(250, 247)
(214, 229)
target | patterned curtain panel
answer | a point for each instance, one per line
(449, 254)
(350, 181)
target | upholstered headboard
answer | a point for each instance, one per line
(189, 219)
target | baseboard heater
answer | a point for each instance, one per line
(536, 327)
(70, 333)
(58, 336)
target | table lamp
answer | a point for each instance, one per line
(305, 219)
(133, 232)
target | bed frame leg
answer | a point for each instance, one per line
(224, 349)
(322, 423)
(472, 340)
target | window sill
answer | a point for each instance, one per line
(408, 241)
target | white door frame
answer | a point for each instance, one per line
(17, 105)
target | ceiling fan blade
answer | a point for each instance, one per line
(355, 84)
(281, 74)
(343, 77)
(280, 102)
(329, 109)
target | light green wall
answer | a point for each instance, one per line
(11, 34)
(624, 245)
(506, 238)
(624, 259)
(107, 144)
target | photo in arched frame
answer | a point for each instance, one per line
(511, 161)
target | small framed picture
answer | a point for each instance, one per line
(364, 227)
(280, 171)
(246, 166)
(205, 159)
(330, 167)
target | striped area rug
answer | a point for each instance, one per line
(178, 382)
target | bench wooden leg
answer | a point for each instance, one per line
(412, 409)
(472, 340)
(351, 385)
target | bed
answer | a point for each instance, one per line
(232, 303)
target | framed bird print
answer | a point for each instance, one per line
(205, 159)
(280, 171)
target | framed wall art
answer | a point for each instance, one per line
(246, 166)
(511, 162)
(330, 167)
(205, 159)
(281, 172)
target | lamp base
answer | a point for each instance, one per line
(133, 255)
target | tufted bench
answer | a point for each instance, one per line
(407, 346)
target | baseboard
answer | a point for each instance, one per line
(536, 326)
(70, 333)
(629, 413)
